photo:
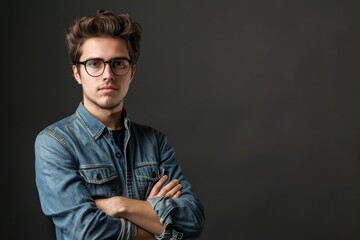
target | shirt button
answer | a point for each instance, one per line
(98, 177)
(118, 154)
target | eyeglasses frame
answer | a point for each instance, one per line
(105, 62)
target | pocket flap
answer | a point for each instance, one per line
(97, 174)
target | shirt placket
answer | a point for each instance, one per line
(129, 171)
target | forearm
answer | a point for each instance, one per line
(139, 212)
(142, 214)
(142, 234)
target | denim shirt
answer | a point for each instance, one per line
(78, 161)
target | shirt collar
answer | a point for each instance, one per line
(93, 125)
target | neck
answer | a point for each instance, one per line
(112, 118)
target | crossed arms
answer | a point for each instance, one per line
(140, 212)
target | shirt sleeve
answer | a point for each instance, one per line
(64, 196)
(183, 217)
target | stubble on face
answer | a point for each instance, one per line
(103, 101)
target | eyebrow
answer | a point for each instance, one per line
(99, 58)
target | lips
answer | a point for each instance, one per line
(107, 89)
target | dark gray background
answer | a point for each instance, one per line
(260, 99)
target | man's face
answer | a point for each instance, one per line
(107, 91)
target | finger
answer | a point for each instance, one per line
(174, 190)
(157, 187)
(168, 187)
(177, 194)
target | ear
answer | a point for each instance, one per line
(133, 71)
(76, 73)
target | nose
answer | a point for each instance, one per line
(108, 73)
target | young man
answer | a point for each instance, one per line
(99, 175)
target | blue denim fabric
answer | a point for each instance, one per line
(77, 161)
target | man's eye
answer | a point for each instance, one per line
(94, 64)
(119, 63)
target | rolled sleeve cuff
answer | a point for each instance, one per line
(129, 232)
(163, 206)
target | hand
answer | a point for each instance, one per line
(112, 206)
(172, 189)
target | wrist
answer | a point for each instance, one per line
(122, 207)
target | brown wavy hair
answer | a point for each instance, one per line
(104, 23)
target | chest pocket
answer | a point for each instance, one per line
(147, 174)
(99, 179)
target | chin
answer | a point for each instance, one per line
(111, 105)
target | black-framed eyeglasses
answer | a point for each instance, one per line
(95, 67)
